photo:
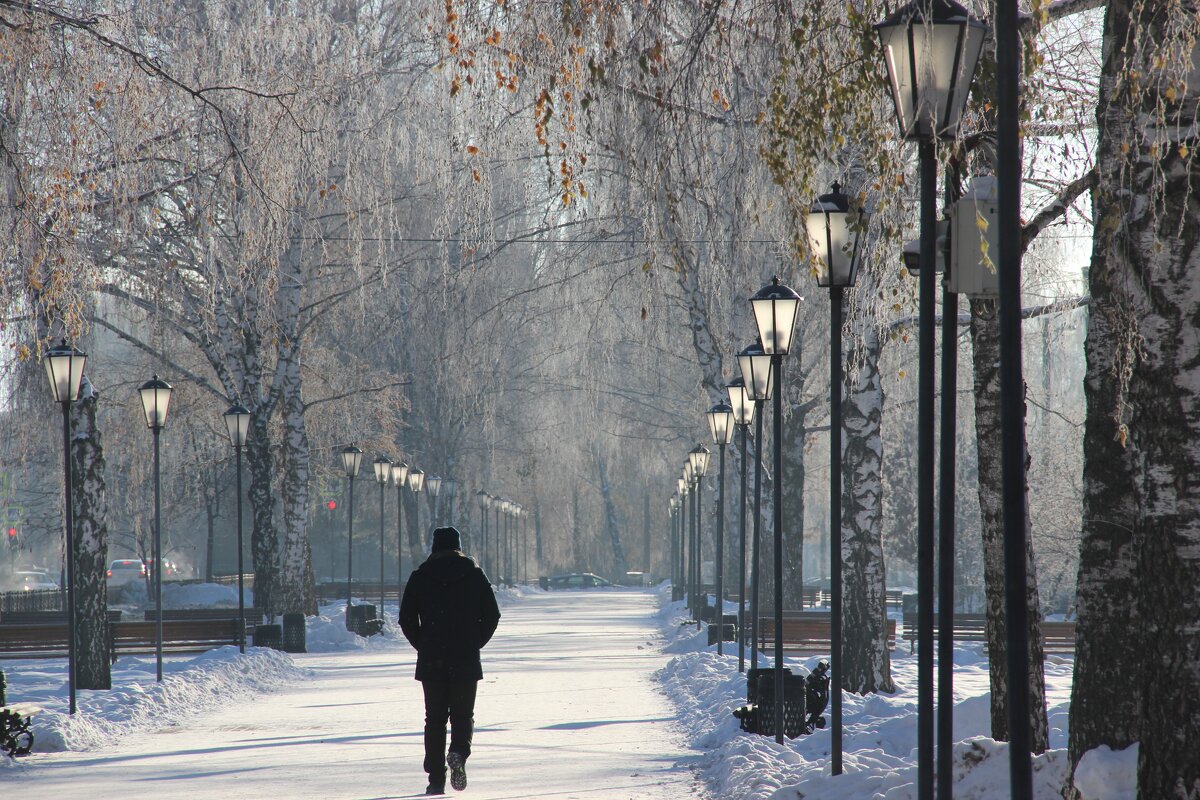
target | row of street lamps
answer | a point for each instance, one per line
(931, 49)
(504, 539)
(65, 369)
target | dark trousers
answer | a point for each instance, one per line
(447, 701)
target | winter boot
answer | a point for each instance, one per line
(458, 770)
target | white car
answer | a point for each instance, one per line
(125, 570)
(32, 580)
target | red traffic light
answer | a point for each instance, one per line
(331, 505)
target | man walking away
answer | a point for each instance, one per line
(448, 614)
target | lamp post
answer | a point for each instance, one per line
(237, 423)
(775, 306)
(689, 475)
(400, 479)
(755, 366)
(720, 425)
(506, 558)
(496, 503)
(433, 485)
(930, 50)
(699, 458)
(416, 482)
(351, 461)
(64, 367)
(673, 505)
(743, 412)
(679, 590)
(450, 489)
(156, 400)
(481, 499)
(834, 229)
(383, 471)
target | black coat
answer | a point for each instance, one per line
(448, 614)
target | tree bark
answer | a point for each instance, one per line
(93, 667)
(866, 659)
(795, 437)
(611, 525)
(985, 330)
(264, 545)
(1138, 636)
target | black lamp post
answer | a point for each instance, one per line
(699, 458)
(64, 367)
(775, 307)
(720, 425)
(351, 461)
(383, 471)
(496, 504)
(755, 366)
(930, 49)
(834, 229)
(481, 499)
(681, 588)
(156, 400)
(743, 412)
(237, 423)
(450, 489)
(400, 480)
(673, 506)
(416, 482)
(433, 485)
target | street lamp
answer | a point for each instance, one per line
(156, 400)
(434, 486)
(930, 49)
(351, 461)
(720, 425)
(755, 366)
(699, 458)
(743, 413)
(775, 306)
(64, 368)
(400, 479)
(237, 424)
(834, 230)
(496, 503)
(383, 471)
(450, 488)
(416, 483)
(679, 586)
(481, 499)
(689, 475)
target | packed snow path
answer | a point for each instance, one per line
(567, 709)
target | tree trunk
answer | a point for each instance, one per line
(985, 330)
(297, 591)
(795, 437)
(866, 660)
(611, 526)
(264, 545)
(1138, 635)
(93, 668)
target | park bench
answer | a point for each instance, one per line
(179, 635)
(806, 632)
(35, 617)
(16, 738)
(49, 639)
(1057, 636)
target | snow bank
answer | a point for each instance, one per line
(1105, 774)
(880, 731)
(137, 702)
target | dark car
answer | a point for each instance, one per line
(576, 580)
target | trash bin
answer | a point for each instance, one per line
(268, 635)
(293, 634)
(793, 704)
(362, 620)
(729, 629)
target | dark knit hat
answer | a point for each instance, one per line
(445, 539)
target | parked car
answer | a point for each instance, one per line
(575, 580)
(124, 570)
(33, 580)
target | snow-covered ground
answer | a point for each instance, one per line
(595, 694)
(569, 707)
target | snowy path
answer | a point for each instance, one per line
(567, 710)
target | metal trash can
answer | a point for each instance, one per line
(793, 704)
(293, 634)
(362, 620)
(729, 629)
(268, 635)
